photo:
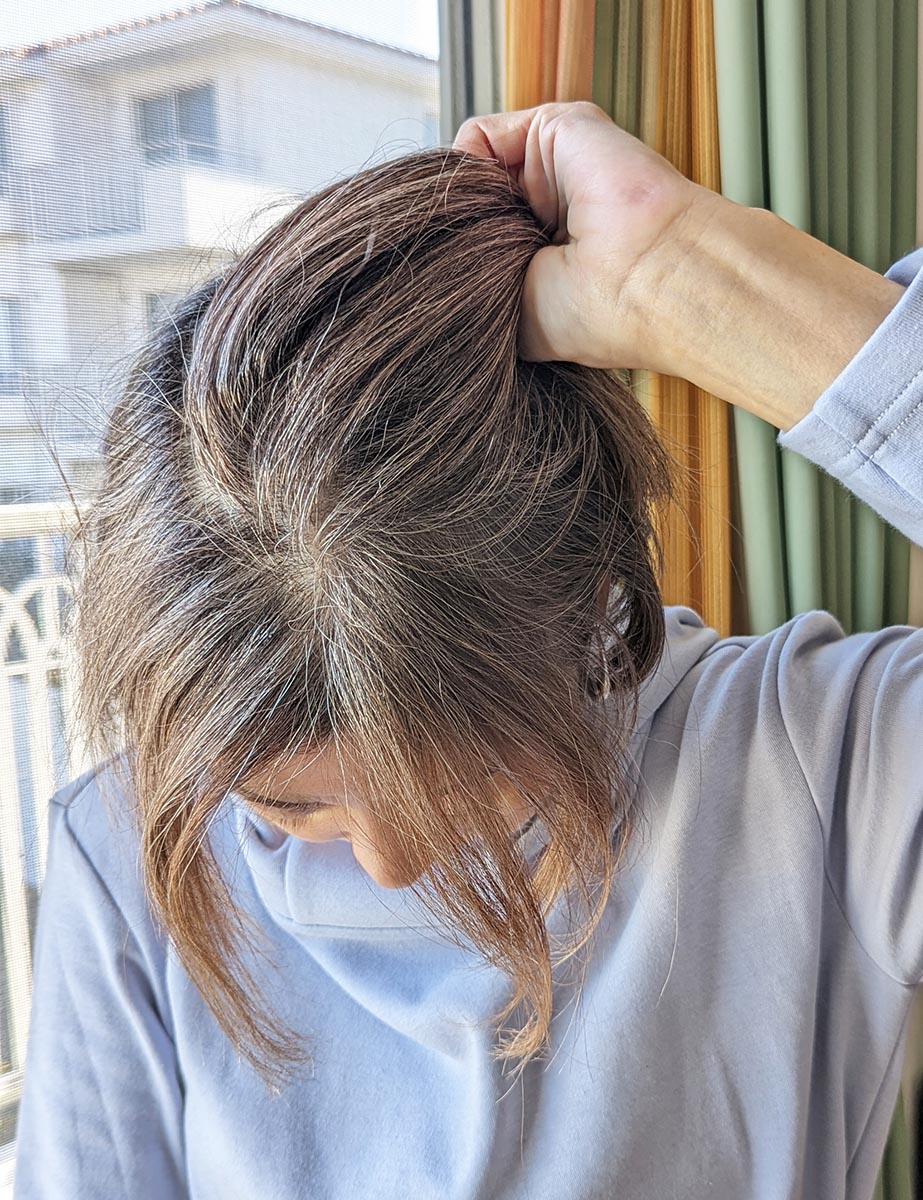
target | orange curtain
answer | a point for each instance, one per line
(693, 423)
(549, 55)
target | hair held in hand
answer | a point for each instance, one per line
(338, 509)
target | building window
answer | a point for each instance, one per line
(180, 124)
(12, 344)
(6, 150)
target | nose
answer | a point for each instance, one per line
(382, 867)
(388, 871)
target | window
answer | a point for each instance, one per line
(6, 150)
(12, 493)
(11, 344)
(178, 124)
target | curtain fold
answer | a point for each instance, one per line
(913, 1060)
(915, 564)
(654, 70)
(713, 418)
(823, 143)
(548, 51)
(670, 400)
(740, 136)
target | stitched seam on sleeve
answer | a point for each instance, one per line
(900, 425)
(846, 444)
(844, 471)
(823, 841)
(873, 428)
(899, 487)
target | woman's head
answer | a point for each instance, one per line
(342, 523)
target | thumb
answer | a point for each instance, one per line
(548, 321)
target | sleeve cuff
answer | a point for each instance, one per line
(866, 428)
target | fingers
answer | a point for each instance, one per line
(542, 293)
(515, 140)
(499, 135)
(503, 135)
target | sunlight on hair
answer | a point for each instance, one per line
(338, 506)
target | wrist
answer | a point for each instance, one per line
(754, 310)
(662, 297)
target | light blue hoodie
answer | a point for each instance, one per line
(740, 1030)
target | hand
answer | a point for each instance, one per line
(614, 205)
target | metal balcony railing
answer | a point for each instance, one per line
(105, 195)
(39, 751)
(84, 198)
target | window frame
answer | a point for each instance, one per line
(177, 148)
(6, 147)
(12, 366)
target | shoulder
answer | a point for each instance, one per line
(698, 664)
(94, 803)
(807, 690)
(93, 833)
(750, 657)
(809, 657)
(743, 689)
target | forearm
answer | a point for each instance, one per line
(757, 312)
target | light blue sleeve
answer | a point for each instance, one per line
(101, 1111)
(852, 707)
(866, 429)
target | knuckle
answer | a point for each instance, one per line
(574, 111)
(587, 108)
(469, 125)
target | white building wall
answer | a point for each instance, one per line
(330, 120)
(293, 114)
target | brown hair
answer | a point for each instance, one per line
(336, 506)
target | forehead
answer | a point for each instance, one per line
(306, 773)
(320, 773)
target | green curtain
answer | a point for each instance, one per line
(817, 121)
(895, 1180)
